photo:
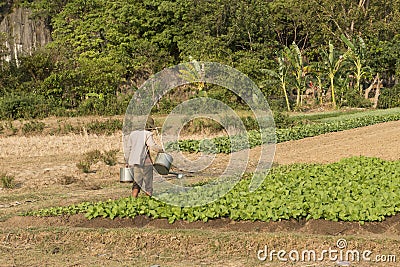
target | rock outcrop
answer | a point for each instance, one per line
(21, 34)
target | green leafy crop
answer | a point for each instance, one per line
(226, 145)
(353, 189)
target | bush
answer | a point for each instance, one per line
(33, 127)
(278, 104)
(7, 181)
(282, 120)
(104, 105)
(250, 123)
(84, 166)
(29, 106)
(94, 156)
(352, 98)
(107, 127)
(390, 97)
(11, 127)
(36, 106)
(165, 106)
(110, 157)
(90, 158)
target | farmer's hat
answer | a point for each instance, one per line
(150, 123)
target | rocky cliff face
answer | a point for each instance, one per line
(22, 35)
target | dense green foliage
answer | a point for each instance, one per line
(224, 144)
(103, 49)
(354, 189)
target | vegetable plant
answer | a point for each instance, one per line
(354, 189)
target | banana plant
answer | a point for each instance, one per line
(298, 68)
(332, 64)
(281, 75)
(316, 71)
(193, 73)
(356, 51)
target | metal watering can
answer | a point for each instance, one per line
(163, 163)
(126, 175)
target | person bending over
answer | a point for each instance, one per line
(137, 156)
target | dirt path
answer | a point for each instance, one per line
(380, 140)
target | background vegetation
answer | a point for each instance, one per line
(103, 50)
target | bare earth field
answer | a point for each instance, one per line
(46, 174)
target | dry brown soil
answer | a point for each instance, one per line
(46, 174)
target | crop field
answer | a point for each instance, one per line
(282, 119)
(335, 178)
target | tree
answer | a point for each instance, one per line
(111, 46)
(292, 20)
(233, 32)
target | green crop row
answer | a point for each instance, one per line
(227, 145)
(353, 189)
(354, 115)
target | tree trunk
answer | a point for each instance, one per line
(319, 91)
(368, 90)
(377, 93)
(298, 98)
(333, 93)
(286, 97)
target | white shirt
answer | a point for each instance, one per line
(137, 147)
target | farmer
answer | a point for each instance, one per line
(137, 156)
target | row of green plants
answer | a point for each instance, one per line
(337, 115)
(224, 144)
(358, 115)
(354, 189)
(327, 115)
(309, 130)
